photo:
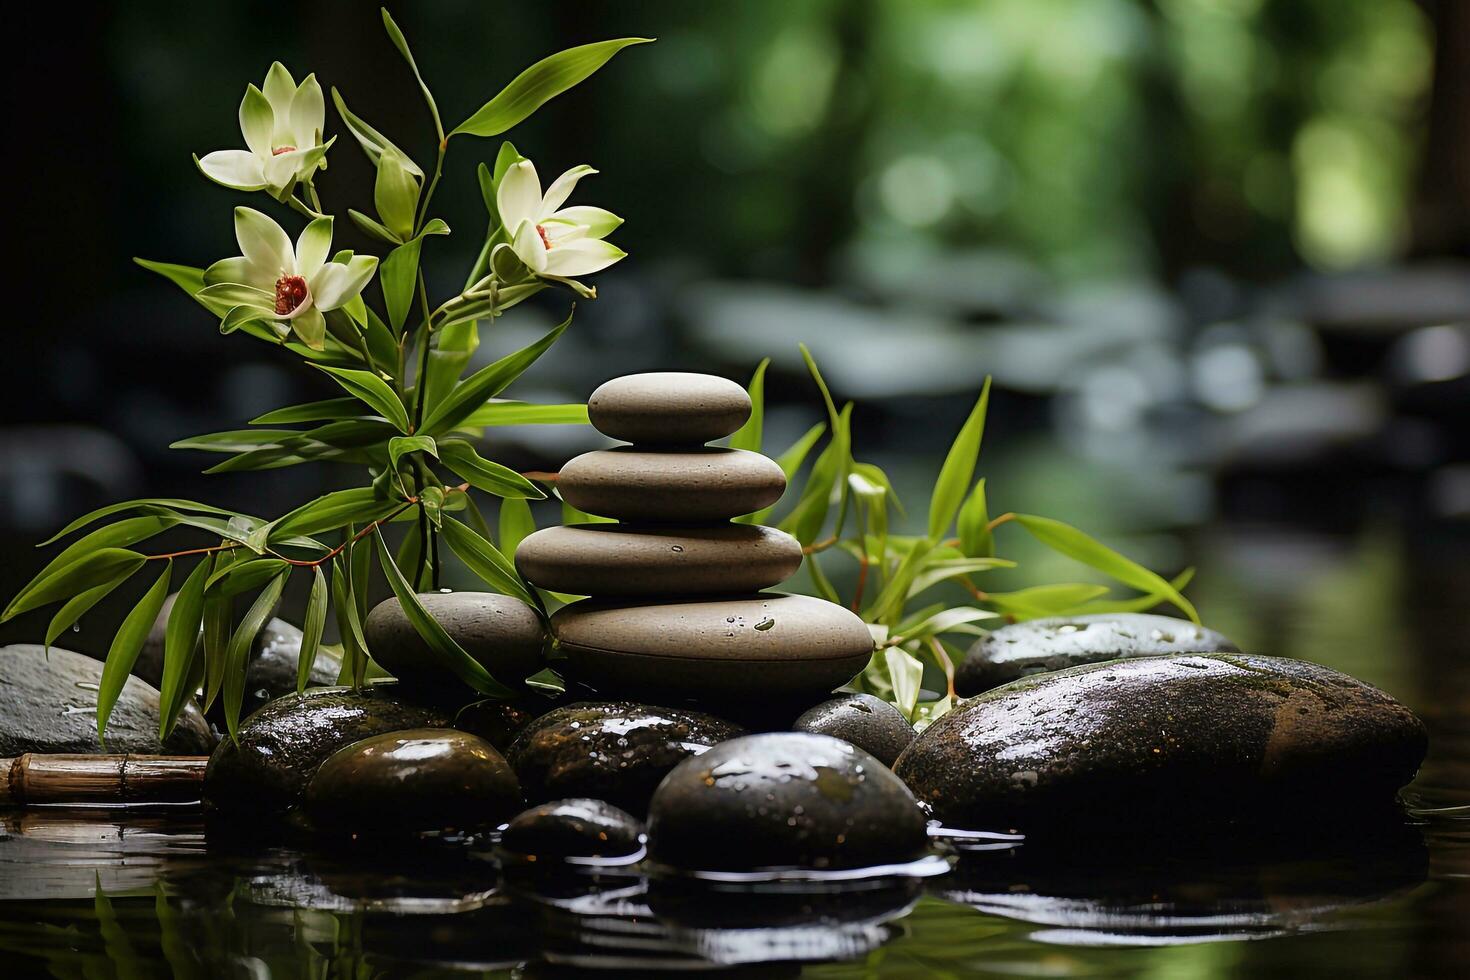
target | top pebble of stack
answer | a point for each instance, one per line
(669, 408)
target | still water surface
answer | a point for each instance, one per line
(103, 893)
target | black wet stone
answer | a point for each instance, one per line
(282, 744)
(616, 751)
(783, 800)
(1164, 740)
(421, 779)
(870, 723)
(1056, 643)
(572, 828)
(49, 704)
(501, 632)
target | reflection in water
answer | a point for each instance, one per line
(106, 892)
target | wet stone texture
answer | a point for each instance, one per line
(501, 632)
(870, 723)
(1171, 739)
(1059, 642)
(572, 828)
(49, 704)
(616, 751)
(282, 744)
(784, 800)
(421, 779)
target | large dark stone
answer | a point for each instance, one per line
(1056, 643)
(616, 751)
(420, 779)
(282, 744)
(784, 800)
(870, 723)
(501, 632)
(49, 704)
(1164, 739)
(572, 828)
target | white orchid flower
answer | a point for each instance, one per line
(282, 125)
(553, 241)
(285, 285)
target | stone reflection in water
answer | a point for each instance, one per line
(1189, 890)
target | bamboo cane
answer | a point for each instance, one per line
(36, 778)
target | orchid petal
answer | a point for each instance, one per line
(257, 120)
(236, 294)
(265, 245)
(337, 284)
(599, 223)
(310, 326)
(579, 258)
(559, 233)
(313, 246)
(308, 114)
(282, 169)
(235, 270)
(561, 188)
(519, 196)
(529, 247)
(280, 88)
(239, 169)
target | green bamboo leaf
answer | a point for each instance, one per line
(77, 606)
(499, 412)
(311, 627)
(357, 505)
(243, 576)
(790, 462)
(397, 276)
(1069, 541)
(219, 610)
(1039, 601)
(126, 646)
(516, 523)
(943, 622)
(81, 575)
(236, 440)
(188, 278)
(373, 391)
(349, 625)
(237, 658)
(166, 503)
(486, 383)
(829, 473)
(948, 569)
(487, 563)
(748, 436)
(443, 646)
(180, 646)
(976, 538)
(888, 606)
(905, 677)
(543, 81)
(483, 474)
(1141, 603)
(326, 410)
(373, 143)
(400, 446)
(958, 469)
(121, 534)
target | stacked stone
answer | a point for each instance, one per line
(676, 605)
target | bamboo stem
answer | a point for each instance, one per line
(36, 778)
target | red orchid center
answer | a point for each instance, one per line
(282, 149)
(290, 293)
(545, 238)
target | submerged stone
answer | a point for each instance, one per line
(623, 560)
(48, 703)
(1059, 642)
(572, 828)
(420, 779)
(668, 407)
(764, 647)
(870, 723)
(784, 800)
(1164, 739)
(634, 484)
(616, 751)
(501, 632)
(282, 744)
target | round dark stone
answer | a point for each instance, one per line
(784, 800)
(573, 828)
(416, 780)
(1041, 645)
(282, 744)
(1164, 739)
(668, 407)
(49, 704)
(616, 751)
(501, 632)
(870, 723)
